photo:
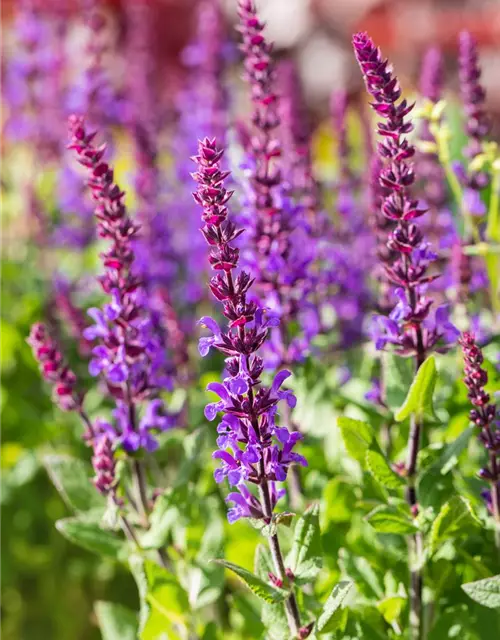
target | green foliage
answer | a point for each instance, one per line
(420, 395)
(357, 437)
(265, 591)
(116, 622)
(486, 591)
(391, 519)
(72, 478)
(90, 535)
(332, 617)
(379, 468)
(306, 558)
(455, 518)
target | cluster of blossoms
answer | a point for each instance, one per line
(92, 93)
(54, 369)
(260, 451)
(203, 89)
(281, 249)
(484, 416)
(31, 82)
(131, 354)
(477, 124)
(409, 326)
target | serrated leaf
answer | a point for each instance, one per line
(454, 518)
(391, 608)
(261, 589)
(379, 468)
(391, 519)
(419, 398)
(305, 558)
(72, 478)
(357, 436)
(116, 622)
(486, 591)
(90, 536)
(328, 621)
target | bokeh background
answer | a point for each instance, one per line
(48, 585)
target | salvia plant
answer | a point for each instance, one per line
(276, 386)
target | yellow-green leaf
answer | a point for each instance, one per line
(419, 398)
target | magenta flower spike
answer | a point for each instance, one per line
(409, 327)
(485, 416)
(131, 351)
(252, 448)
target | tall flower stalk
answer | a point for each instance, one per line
(280, 250)
(253, 449)
(409, 327)
(130, 355)
(484, 415)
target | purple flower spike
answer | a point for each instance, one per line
(280, 248)
(54, 370)
(253, 449)
(485, 416)
(408, 328)
(131, 351)
(104, 466)
(473, 95)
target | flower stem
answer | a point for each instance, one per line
(291, 607)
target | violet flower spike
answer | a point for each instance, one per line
(413, 333)
(253, 449)
(485, 416)
(477, 125)
(281, 249)
(130, 354)
(408, 328)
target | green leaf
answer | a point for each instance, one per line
(72, 478)
(90, 536)
(136, 563)
(391, 519)
(448, 458)
(397, 376)
(305, 558)
(164, 516)
(273, 615)
(164, 603)
(261, 589)
(455, 517)
(486, 591)
(391, 608)
(357, 437)
(331, 616)
(381, 471)
(263, 562)
(419, 398)
(165, 594)
(116, 622)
